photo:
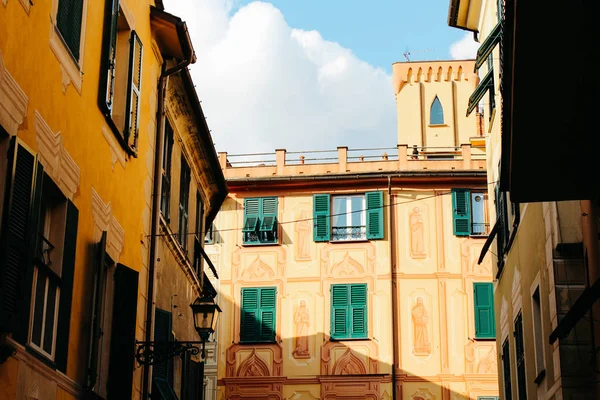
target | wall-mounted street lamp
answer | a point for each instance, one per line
(206, 314)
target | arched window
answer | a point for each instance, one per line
(436, 114)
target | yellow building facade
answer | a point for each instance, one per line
(358, 278)
(80, 106)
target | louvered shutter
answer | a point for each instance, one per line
(68, 21)
(251, 215)
(506, 370)
(16, 245)
(461, 212)
(66, 287)
(191, 384)
(268, 214)
(109, 55)
(374, 215)
(162, 333)
(339, 311)
(520, 355)
(268, 298)
(98, 305)
(483, 299)
(122, 338)
(249, 324)
(321, 217)
(134, 90)
(358, 308)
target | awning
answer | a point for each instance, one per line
(484, 85)
(488, 243)
(582, 305)
(486, 48)
(207, 259)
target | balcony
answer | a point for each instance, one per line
(348, 233)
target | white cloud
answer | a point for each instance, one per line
(264, 85)
(464, 48)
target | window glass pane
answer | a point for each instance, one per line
(358, 207)
(38, 309)
(477, 213)
(339, 211)
(50, 309)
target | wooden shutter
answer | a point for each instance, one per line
(321, 217)
(461, 212)
(252, 209)
(16, 247)
(506, 370)
(520, 355)
(98, 305)
(66, 287)
(162, 333)
(190, 386)
(134, 90)
(339, 311)
(249, 324)
(483, 301)
(122, 339)
(68, 21)
(358, 307)
(374, 202)
(109, 56)
(268, 214)
(268, 298)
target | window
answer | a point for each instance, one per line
(538, 333)
(68, 23)
(37, 258)
(121, 77)
(349, 311)
(191, 384)
(258, 315)
(165, 197)
(260, 220)
(483, 304)
(162, 372)
(520, 353)
(507, 218)
(506, 370)
(198, 237)
(184, 200)
(436, 112)
(354, 217)
(470, 212)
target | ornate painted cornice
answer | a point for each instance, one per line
(13, 101)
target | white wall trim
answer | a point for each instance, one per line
(13, 100)
(26, 5)
(104, 221)
(517, 297)
(116, 151)
(57, 162)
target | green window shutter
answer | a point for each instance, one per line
(358, 307)
(483, 299)
(252, 209)
(374, 202)
(268, 298)
(461, 212)
(66, 287)
(249, 324)
(321, 217)
(268, 214)
(339, 311)
(162, 333)
(20, 219)
(68, 21)
(109, 54)
(122, 338)
(134, 91)
(100, 271)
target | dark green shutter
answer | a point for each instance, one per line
(339, 311)
(249, 315)
(109, 56)
(162, 333)
(134, 90)
(321, 217)
(268, 214)
(520, 356)
(506, 370)
(252, 209)
(190, 385)
(122, 339)
(374, 215)
(461, 212)
(66, 287)
(268, 298)
(358, 307)
(68, 21)
(483, 300)
(16, 262)
(98, 305)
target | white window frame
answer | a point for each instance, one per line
(349, 214)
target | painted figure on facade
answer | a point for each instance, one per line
(301, 319)
(417, 234)
(420, 320)
(303, 229)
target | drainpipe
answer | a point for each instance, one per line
(156, 191)
(394, 287)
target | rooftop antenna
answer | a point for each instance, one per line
(407, 53)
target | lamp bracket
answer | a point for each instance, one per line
(151, 353)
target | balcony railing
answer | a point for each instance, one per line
(349, 233)
(480, 228)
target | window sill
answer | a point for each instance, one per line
(438, 125)
(350, 241)
(332, 339)
(118, 135)
(481, 235)
(71, 70)
(45, 360)
(540, 377)
(485, 339)
(244, 342)
(261, 244)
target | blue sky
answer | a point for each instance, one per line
(377, 31)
